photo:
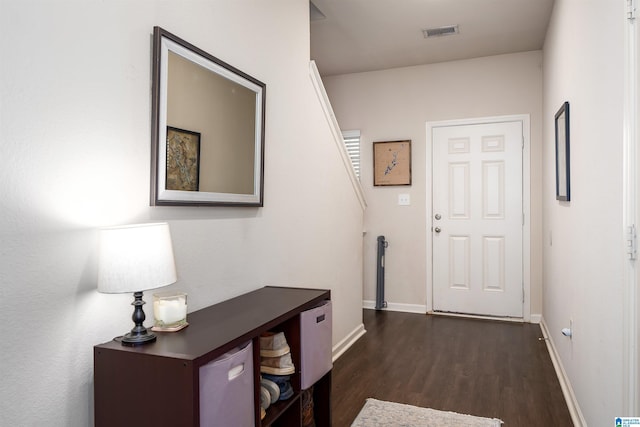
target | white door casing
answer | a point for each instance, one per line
(631, 215)
(480, 262)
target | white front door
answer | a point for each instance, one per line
(478, 219)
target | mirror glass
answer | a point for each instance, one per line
(208, 130)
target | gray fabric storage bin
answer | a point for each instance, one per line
(226, 390)
(315, 344)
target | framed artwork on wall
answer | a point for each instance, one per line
(183, 159)
(392, 163)
(563, 182)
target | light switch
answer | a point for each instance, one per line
(404, 199)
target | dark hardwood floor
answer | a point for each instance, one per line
(478, 367)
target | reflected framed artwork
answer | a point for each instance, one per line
(563, 181)
(183, 159)
(392, 163)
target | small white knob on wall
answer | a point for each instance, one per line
(566, 332)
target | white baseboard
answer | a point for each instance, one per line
(347, 342)
(422, 309)
(393, 306)
(565, 384)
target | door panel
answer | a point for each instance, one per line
(459, 264)
(477, 240)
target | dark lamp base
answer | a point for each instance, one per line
(133, 340)
(139, 334)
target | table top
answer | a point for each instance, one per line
(216, 329)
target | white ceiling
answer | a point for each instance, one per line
(367, 35)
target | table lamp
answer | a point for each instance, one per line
(136, 258)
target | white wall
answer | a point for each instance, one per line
(395, 104)
(75, 155)
(583, 244)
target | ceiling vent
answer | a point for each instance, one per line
(441, 31)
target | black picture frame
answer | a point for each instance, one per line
(392, 163)
(563, 175)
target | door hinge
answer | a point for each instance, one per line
(632, 242)
(631, 10)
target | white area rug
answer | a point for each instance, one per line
(377, 413)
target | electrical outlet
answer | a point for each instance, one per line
(404, 199)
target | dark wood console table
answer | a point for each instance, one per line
(158, 384)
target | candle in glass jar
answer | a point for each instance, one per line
(170, 309)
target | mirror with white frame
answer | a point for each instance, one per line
(207, 128)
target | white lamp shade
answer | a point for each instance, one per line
(135, 258)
